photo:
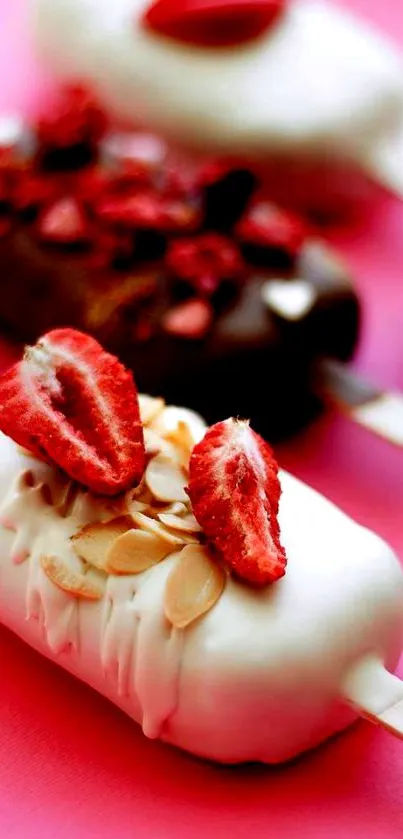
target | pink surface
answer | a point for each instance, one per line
(73, 766)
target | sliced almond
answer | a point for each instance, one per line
(135, 492)
(140, 504)
(135, 551)
(182, 436)
(156, 444)
(176, 509)
(186, 523)
(168, 420)
(70, 581)
(150, 408)
(152, 441)
(137, 507)
(141, 494)
(193, 586)
(88, 507)
(93, 541)
(165, 479)
(158, 529)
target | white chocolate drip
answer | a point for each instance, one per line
(41, 530)
(139, 651)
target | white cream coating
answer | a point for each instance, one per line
(259, 676)
(320, 82)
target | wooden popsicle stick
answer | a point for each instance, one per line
(376, 694)
(378, 411)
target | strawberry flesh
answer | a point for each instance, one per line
(235, 490)
(191, 319)
(213, 23)
(76, 406)
(63, 223)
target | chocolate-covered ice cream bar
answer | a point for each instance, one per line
(203, 286)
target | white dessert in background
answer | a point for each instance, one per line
(258, 677)
(320, 85)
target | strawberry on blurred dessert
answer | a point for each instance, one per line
(195, 278)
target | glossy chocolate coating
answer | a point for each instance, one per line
(254, 362)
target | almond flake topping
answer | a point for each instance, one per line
(150, 408)
(135, 551)
(70, 581)
(193, 587)
(132, 532)
(186, 523)
(93, 541)
(165, 480)
(156, 528)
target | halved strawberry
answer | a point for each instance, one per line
(212, 23)
(191, 319)
(75, 406)
(63, 223)
(235, 490)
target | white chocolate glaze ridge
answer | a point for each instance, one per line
(140, 646)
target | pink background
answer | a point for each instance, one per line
(72, 766)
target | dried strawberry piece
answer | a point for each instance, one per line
(267, 226)
(191, 319)
(111, 248)
(235, 490)
(143, 331)
(76, 118)
(180, 216)
(4, 189)
(140, 210)
(212, 23)
(75, 406)
(63, 223)
(91, 184)
(133, 174)
(122, 150)
(204, 261)
(6, 226)
(32, 191)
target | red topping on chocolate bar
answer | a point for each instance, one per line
(204, 261)
(5, 226)
(63, 222)
(126, 203)
(76, 118)
(268, 226)
(191, 319)
(142, 209)
(180, 216)
(75, 406)
(212, 23)
(32, 192)
(235, 490)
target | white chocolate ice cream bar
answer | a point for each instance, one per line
(262, 675)
(319, 84)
